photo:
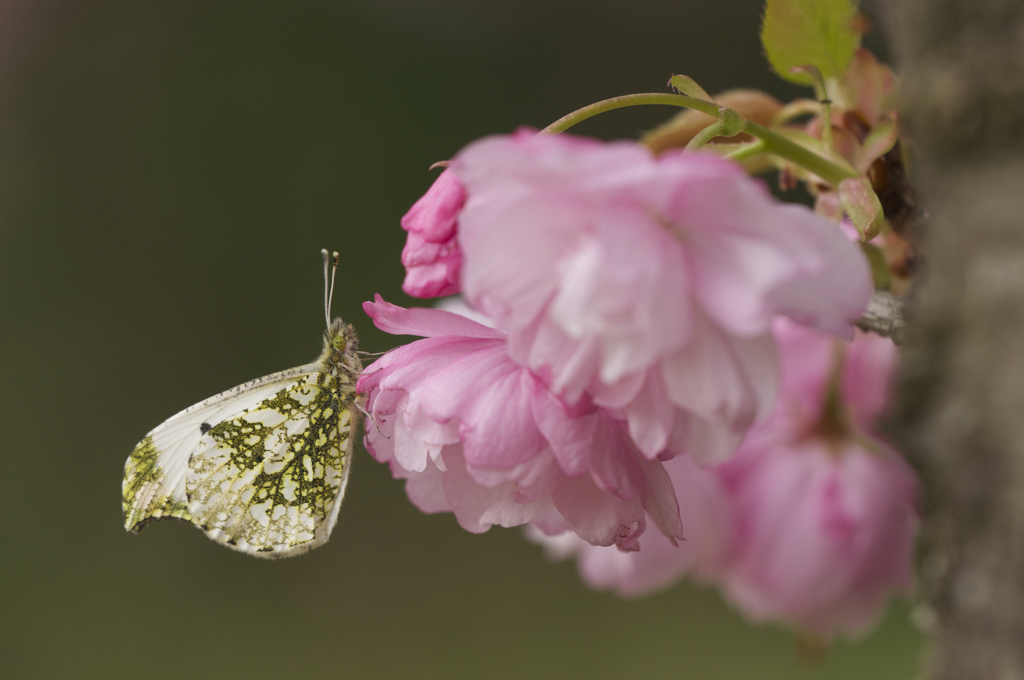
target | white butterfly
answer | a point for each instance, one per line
(261, 467)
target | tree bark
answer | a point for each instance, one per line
(960, 416)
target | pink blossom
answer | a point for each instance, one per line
(825, 533)
(705, 513)
(647, 283)
(432, 256)
(808, 525)
(479, 435)
(824, 512)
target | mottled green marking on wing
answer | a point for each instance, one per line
(272, 473)
(141, 472)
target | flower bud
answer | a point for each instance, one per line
(432, 256)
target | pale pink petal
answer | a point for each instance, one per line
(659, 500)
(457, 305)
(411, 452)
(807, 358)
(621, 475)
(740, 245)
(457, 414)
(837, 295)
(601, 261)
(823, 537)
(504, 238)
(551, 523)
(867, 376)
(708, 379)
(598, 517)
(651, 416)
(534, 479)
(708, 441)
(619, 394)
(757, 357)
(569, 366)
(660, 561)
(569, 434)
(424, 322)
(499, 430)
(425, 489)
(477, 507)
(625, 307)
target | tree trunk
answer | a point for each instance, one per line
(961, 408)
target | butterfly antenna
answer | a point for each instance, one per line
(329, 290)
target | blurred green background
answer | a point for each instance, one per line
(168, 174)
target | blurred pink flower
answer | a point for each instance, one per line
(808, 525)
(479, 435)
(824, 513)
(705, 513)
(825, 532)
(432, 256)
(648, 283)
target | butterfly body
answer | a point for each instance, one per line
(261, 467)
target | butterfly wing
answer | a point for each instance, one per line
(269, 481)
(261, 467)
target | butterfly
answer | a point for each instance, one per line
(262, 467)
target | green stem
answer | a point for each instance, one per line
(580, 115)
(821, 92)
(800, 155)
(705, 136)
(826, 124)
(746, 151)
(773, 142)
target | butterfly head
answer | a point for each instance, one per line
(340, 341)
(340, 345)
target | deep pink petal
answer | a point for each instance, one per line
(432, 256)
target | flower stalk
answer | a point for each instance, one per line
(774, 143)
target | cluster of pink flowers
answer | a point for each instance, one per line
(811, 522)
(627, 305)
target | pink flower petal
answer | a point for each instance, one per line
(424, 322)
(604, 263)
(432, 256)
(457, 414)
(598, 517)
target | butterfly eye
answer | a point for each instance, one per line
(338, 343)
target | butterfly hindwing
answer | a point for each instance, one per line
(271, 478)
(154, 474)
(261, 467)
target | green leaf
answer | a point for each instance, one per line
(878, 143)
(862, 206)
(809, 33)
(688, 86)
